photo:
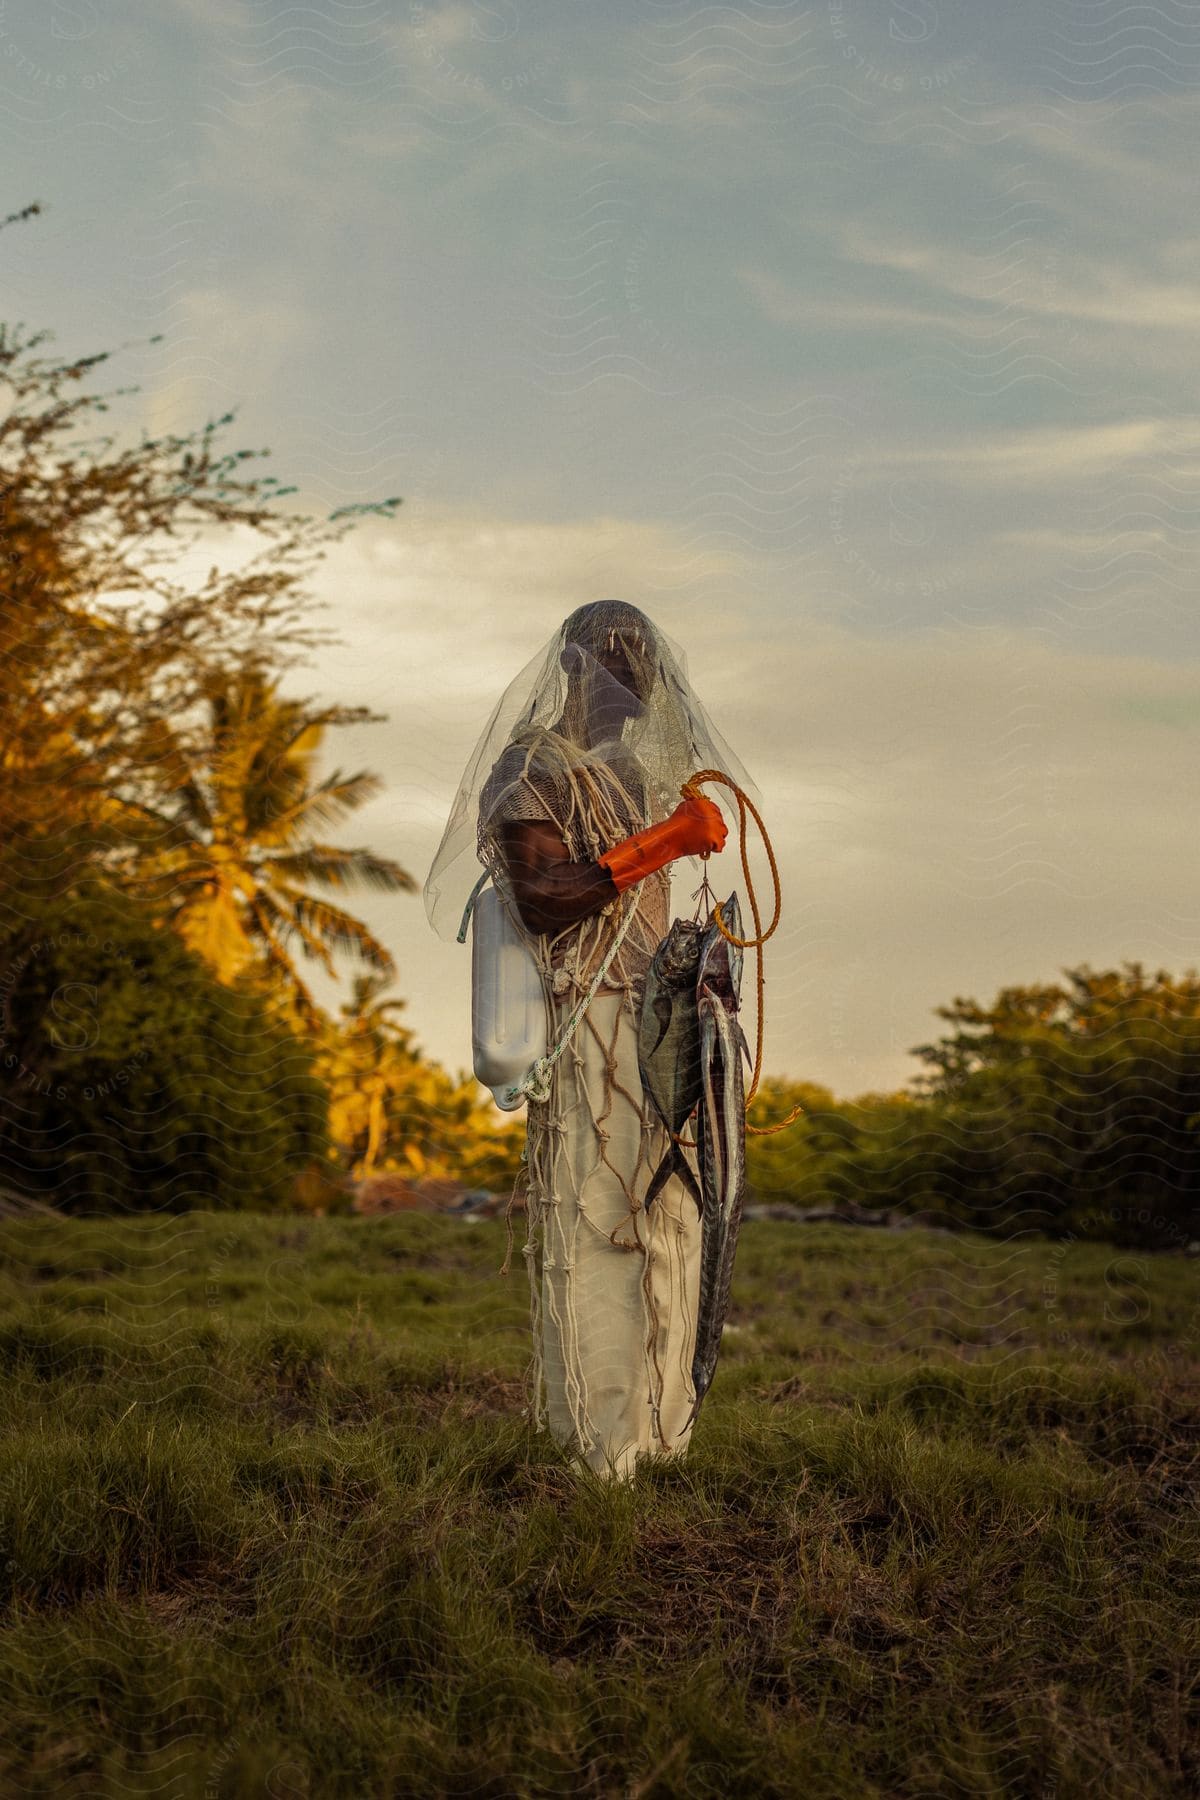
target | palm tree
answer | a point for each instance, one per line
(233, 852)
(366, 1051)
(393, 1110)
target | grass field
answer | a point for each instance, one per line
(271, 1523)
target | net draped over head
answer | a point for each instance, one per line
(597, 734)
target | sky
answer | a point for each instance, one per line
(855, 343)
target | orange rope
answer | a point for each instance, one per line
(691, 791)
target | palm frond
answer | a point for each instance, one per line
(278, 926)
(341, 931)
(312, 1015)
(170, 769)
(325, 805)
(335, 866)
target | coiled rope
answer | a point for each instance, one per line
(691, 791)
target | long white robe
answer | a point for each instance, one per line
(614, 1291)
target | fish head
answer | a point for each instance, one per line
(720, 962)
(668, 1032)
(678, 954)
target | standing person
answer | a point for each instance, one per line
(572, 803)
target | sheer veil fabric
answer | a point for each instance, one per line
(539, 728)
(613, 1291)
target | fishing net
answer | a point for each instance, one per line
(567, 741)
(596, 735)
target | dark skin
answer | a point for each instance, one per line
(551, 890)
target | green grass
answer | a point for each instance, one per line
(271, 1522)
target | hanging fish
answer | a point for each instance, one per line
(669, 1045)
(720, 1135)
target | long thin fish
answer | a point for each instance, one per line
(720, 1137)
(669, 1045)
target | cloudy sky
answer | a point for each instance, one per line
(855, 342)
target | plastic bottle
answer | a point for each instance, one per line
(508, 1001)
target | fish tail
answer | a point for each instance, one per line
(701, 1388)
(690, 1183)
(658, 1182)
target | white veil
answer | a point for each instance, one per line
(539, 732)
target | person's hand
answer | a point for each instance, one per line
(699, 827)
(695, 828)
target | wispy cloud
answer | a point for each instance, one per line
(1057, 454)
(213, 330)
(788, 305)
(1100, 290)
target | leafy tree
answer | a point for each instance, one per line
(131, 1080)
(99, 647)
(1086, 1096)
(1072, 1107)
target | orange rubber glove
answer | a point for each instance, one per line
(695, 828)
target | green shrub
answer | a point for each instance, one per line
(131, 1080)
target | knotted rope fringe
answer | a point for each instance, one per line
(590, 1146)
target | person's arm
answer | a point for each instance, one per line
(550, 889)
(553, 892)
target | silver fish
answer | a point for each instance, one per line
(669, 1045)
(720, 1137)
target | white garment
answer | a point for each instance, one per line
(613, 1293)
